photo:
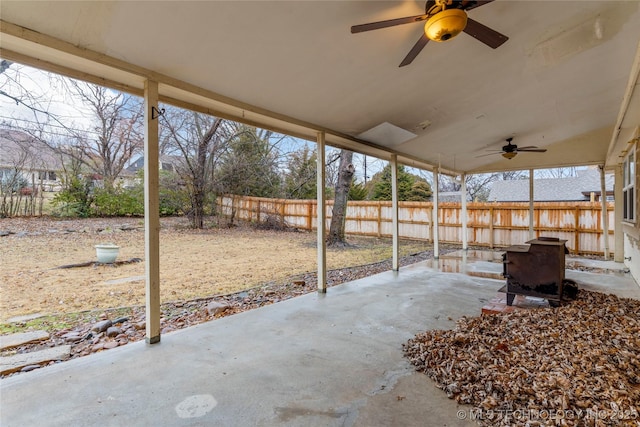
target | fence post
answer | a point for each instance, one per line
(491, 227)
(309, 215)
(282, 202)
(379, 218)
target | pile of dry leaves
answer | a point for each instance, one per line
(578, 364)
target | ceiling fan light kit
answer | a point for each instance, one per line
(510, 150)
(445, 20)
(445, 25)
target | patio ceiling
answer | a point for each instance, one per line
(566, 80)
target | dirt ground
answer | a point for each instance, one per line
(193, 263)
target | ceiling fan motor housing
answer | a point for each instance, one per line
(445, 25)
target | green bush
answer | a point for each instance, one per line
(173, 196)
(74, 200)
(81, 199)
(116, 202)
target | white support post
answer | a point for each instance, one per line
(434, 215)
(394, 213)
(320, 215)
(532, 234)
(618, 237)
(463, 213)
(605, 214)
(151, 214)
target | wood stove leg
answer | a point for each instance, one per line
(510, 298)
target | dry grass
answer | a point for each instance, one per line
(192, 263)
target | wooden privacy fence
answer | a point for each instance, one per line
(488, 224)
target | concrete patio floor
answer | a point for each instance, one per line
(315, 360)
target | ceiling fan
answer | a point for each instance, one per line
(510, 150)
(445, 20)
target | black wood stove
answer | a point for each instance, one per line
(537, 269)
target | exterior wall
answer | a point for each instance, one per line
(32, 178)
(632, 230)
(632, 250)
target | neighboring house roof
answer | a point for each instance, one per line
(19, 150)
(167, 162)
(576, 188)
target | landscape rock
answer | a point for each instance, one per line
(4, 233)
(140, 325)
(120, 320)
(72, 336)
(215, 307)
(102, 325)
(113, 331)
(111, 344)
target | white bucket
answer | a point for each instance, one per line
(107, 253)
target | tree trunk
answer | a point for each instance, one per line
(197, 213)
(345, 176)
(200, 175)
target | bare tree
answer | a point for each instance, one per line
(117, 134)
(17, 85)
(345, 176)
(12, 182)
(478, 185)
(199, 140)
(557, 172)
(368, 166)
(24, 163)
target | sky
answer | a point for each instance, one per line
(43, 90)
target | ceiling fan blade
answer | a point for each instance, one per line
(533, 150)
(527, 147)
(486, 35)
(470, 4)
(388, 23)
(489, 154)
(415, 50)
